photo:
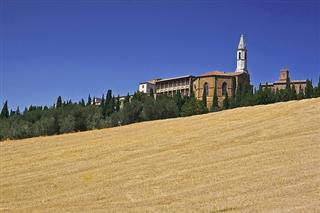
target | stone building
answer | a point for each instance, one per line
(168, 86)
(223, 82)
(284, 79)
(171, 86)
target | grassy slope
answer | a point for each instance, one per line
(254, 159)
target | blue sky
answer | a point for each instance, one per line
(73, 48)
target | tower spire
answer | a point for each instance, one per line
(242, 44)
(242, 56)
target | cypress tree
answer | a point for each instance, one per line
(118, 104)
(18, 111)
(89, 100)
(102, 107)
(288, 92)
(127, 100)
(293, 93)
(226, 101)
(5, 111)
(318, 89)
(309, 89)
(300, 94)
(82, 103)
(109, 96)
(152, 93)
(204, 98)
(102, 102)
(178, 100)
(215, 104)
(59, 102)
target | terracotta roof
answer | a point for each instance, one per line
(174, 78)
(280, 82)
(221, 73)
(299, 81)
(292, 81)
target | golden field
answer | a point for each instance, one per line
(252, 159)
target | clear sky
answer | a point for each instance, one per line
(72, 48)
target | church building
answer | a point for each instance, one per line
(224, 82)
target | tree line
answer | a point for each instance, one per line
(68, 116)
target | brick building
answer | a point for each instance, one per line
(284, 79)
(224, 82)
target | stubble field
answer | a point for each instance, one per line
(253, 159)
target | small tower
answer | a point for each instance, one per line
(242, 56)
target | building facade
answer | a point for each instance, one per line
(223, 82)
(284, 79)
(168, 86)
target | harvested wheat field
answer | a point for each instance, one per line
(253, 159)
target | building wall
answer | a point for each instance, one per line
(146, 87)
(281, 86)
(170, 87)
(213, 81)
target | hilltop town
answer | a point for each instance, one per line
(215, 83)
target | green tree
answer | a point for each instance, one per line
(118, 104)
(300, 94)
(5, 111)
(59, 102)
(226, 101)
(178, 100)
(127, 100)
(89, 100)
(204, 98)
(189, 106)
(294, 95)
(82, 103)
(317, 92)
(215, 104)
(309, 89)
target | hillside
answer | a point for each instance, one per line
(253, 159)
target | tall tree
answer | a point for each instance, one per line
(127, 100)
(226, 101)
(308, 90)
(118, 104)
(318, 89)
(288, 92)
(152, 93)
(59, 102)
(89, 100)
(5, 111)
(178, 100)
(300, 94)
(215, 104)
(293, 93)
(18, 111)
(109, 96)
(204, 97)
(102, 107)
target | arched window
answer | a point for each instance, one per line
(224, 88)
(205, 89)
(239, 55)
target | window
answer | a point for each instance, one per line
(245, 56)
(239, 55)
(205, 89)
(224, 88)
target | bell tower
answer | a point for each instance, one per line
(242, 56)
